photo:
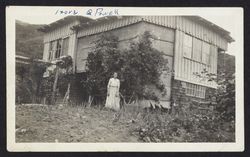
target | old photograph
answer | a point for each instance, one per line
(101, 75)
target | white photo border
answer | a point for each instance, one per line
(12, 12)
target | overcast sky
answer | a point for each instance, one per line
(228, 18)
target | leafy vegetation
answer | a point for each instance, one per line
(138, 66)
(28, 81)
(225, 92)
(191, 127)
(65, 73)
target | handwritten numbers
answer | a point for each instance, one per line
(66, 12)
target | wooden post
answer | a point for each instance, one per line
(66, 97)
(55, 85)
(90, 100)
(44, 101)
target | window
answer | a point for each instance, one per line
(197, 49)
(195, 90)
(205, 53)
(58, 48)
(187, 49)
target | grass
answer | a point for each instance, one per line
(71, 124)
(42, 123)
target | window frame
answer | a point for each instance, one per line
(195, 90)
(191, 57)
(56, 51)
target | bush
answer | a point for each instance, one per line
(28, 81)
(137, 67)
(156, 127)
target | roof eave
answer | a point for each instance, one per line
(65, 20)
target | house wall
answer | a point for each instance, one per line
(86, 43)
(163, 40)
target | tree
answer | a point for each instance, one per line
(143, 66)
(137, 67)
(226, 90)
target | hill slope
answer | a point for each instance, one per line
(226, 62)
(29, 41)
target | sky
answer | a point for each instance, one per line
(229, 19)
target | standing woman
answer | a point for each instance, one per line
(113, 98)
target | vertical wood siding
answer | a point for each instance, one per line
(185, 67)
(60, 32)
(163, 40)
(72, 44)
(182, 23)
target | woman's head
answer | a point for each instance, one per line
(115, 75)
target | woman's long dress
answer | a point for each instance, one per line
(113, 98)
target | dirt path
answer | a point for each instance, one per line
(70, 124)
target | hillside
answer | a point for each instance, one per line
(29, 41)
(226, 62)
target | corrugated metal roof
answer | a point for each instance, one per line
(63, 21)
(215, 27)
(169, 21)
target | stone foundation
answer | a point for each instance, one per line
(180, 99)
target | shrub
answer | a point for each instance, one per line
(137, 67)
(65, 75)
(28, 81)
(155, 127)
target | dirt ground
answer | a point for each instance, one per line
(40, 123)
(43, 123)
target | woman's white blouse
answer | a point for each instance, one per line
(114, 83)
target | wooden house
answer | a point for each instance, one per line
(190, 43)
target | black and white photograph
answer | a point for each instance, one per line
(124, 79)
